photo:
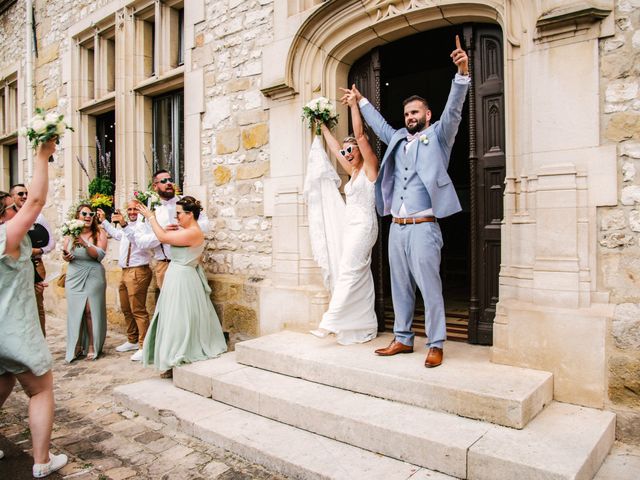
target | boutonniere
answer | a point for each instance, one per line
(424, 139)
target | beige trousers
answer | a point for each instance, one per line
(133, 301)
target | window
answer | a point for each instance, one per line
(181, 37)
(8, 106)
(168, 134)
(14, 168)
(106, 145)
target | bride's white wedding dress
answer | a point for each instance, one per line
(341, 240)
(351, 315)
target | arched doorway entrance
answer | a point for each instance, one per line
(420, 64)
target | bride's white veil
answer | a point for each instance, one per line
(325, 210)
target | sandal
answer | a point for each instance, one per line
(167, 374)
(91, 356)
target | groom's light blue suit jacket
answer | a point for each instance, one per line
(431, 159)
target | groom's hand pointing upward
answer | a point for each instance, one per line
(460, 58)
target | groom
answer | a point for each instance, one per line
(414, 187)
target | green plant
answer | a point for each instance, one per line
(101, 185)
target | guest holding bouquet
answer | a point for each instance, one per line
(185, 327)
(84, 248)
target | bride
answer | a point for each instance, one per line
(351, 315)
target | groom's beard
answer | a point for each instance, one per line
(418, 127)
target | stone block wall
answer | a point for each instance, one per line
(619, 227)
(235, 155)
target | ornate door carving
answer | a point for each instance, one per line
(487, 165)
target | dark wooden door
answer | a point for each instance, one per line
(487, 165)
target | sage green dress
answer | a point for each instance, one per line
(85, 282)
(185, 327)
(22, 345)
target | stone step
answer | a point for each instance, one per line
(562, 442)
(466, 384)
(280, 448)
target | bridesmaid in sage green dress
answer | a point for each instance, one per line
(24, 354)
(185, 327)
(85, 288)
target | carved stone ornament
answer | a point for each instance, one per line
(385, 9)
(120, 18)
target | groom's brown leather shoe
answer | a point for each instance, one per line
(394, 348)
(434, 357)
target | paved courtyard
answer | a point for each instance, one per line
(104, 441)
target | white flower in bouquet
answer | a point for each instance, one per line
(43, 127)
(72, 228)
(149, 198)
(318, 111)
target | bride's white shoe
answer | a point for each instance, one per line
(320, 333)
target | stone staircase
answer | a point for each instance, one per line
(308, 408)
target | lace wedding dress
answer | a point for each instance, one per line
(351, 315)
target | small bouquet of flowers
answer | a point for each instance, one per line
(318, 111)
(43, 127)
(72, 228)
(149, 198)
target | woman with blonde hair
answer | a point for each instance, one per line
(351, 314)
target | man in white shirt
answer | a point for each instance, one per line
(19, 193)
(166, 217)
(136, 277)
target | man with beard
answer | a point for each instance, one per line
(166, 217)
(414, 187)
(19, 193)
(135, 280)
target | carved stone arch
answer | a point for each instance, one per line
(336, 34)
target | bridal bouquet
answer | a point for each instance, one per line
(149, 198)
(72, 228)
(318, 111)
(43, 127)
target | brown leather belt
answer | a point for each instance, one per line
(136, 266)
(413, 221)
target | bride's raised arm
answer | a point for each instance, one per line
(369, 157)
(335, 147)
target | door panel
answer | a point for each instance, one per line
(489, 173)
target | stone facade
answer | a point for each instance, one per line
(618, 238)
(569, 300)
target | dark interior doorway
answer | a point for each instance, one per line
(430, 77)
(420, 65)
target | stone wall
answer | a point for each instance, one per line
(619, 229)
(235, 155)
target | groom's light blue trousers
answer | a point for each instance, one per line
(414, 260)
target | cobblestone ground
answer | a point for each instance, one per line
(103, 440)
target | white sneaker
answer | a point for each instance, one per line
(320, 332)
(127, 347)
(136, 357)
(56, 462)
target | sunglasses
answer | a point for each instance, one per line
(22, 194)
(348, 150)
(88, 214)
(164, 181)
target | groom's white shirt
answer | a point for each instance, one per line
(402, 213)
(165, 215)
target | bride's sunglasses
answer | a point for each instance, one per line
(88, 214)
(348, 150)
